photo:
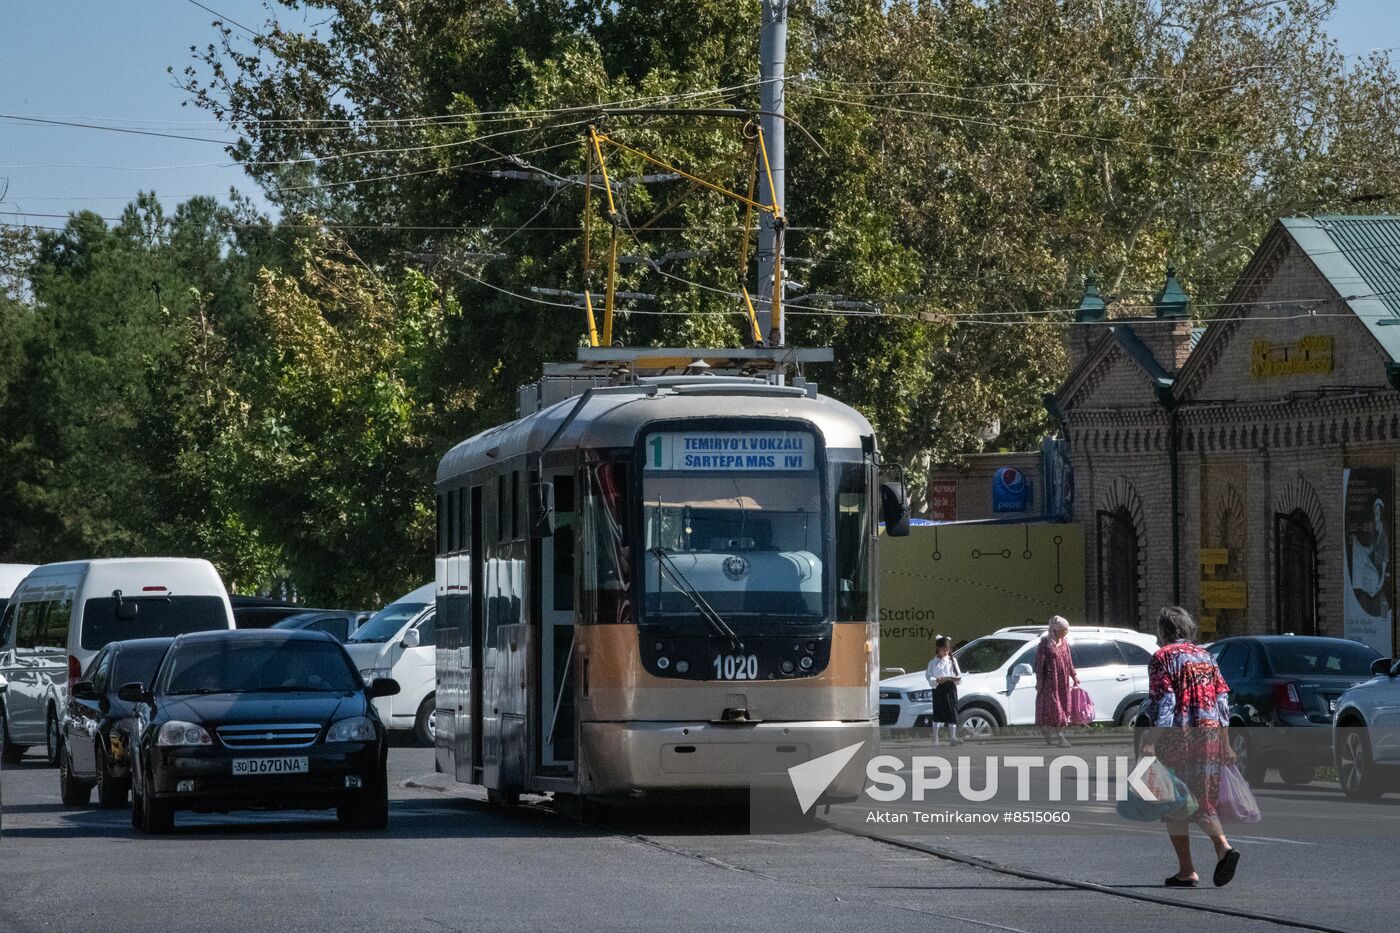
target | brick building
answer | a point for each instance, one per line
(1246, 469)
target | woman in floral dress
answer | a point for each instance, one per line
(1055, 677)
(1189, 712)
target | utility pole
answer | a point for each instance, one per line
(772, 55)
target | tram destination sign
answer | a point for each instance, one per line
(726, 451)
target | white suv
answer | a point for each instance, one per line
(998, 683)
(1366, 733)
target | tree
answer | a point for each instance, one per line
(334, 437)
(976, 160)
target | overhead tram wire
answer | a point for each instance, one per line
(232, 22)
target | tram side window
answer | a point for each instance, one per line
(563, 543)
(852, 542)
(454, 524)
(463, 519)
(442, 523)
(516, 525)
(501, 509)
(605, 567)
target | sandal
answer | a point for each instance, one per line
(1175, 882)
(1225, 868)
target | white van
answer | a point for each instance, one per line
(10, 577)
(400, 641)
(61, 615)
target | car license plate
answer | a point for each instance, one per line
(269, 766)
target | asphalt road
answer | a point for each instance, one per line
(451, 862)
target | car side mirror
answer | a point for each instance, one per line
(1021, 670)
(383, 687)
(412, 638)
(1383, 666)
(541, 510)
(82, 690)
(133, 693)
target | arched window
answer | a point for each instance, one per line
(1118, 569)
(1295, 572)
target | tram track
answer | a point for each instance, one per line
(958, 858)
(1076, 884)
(548, 808)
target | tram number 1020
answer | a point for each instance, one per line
(736, 667)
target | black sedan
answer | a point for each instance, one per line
(258, 720)
(1283, 691)
(97, 724)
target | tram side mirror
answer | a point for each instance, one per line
(541, 510)
(894, 507)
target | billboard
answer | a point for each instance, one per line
(1367, 576)
(967, 580)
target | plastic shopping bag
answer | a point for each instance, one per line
(1237, 803)
(1173, 799)
(1081, 708)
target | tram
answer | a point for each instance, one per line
(665, 585)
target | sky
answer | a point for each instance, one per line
(100, 60)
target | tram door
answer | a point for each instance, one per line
(557, 675)
(472, 773)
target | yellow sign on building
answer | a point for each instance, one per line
(1311, 354)
(1212, 557)
(1225, 594)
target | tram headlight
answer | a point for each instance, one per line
(805, 664)
(682, 667)
(787, 666)
(663, 662)
(921, 696)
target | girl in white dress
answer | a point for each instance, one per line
(943, 676)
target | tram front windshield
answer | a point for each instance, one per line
(749, 545)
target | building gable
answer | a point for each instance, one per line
(1288, 326)
(1118, 373)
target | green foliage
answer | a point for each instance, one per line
(276, 398)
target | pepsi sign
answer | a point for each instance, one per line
(1010, 490)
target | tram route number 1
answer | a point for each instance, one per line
(736, 667)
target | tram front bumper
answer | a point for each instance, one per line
(627, 757)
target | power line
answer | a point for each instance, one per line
(227, 19)
(110, 129)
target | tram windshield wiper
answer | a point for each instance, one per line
(707, 612)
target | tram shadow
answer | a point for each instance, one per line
(727, 815)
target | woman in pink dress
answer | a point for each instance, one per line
(1055, 677)
(1190, 733)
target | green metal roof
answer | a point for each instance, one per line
(1360, 258)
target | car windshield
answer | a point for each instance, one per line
(227, 666)
(385, 623)
(136, 664)
(149, 617)
(1320, 656)
(987, 654)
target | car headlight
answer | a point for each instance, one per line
(921, 696)
(176, 733)
(354, 729)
